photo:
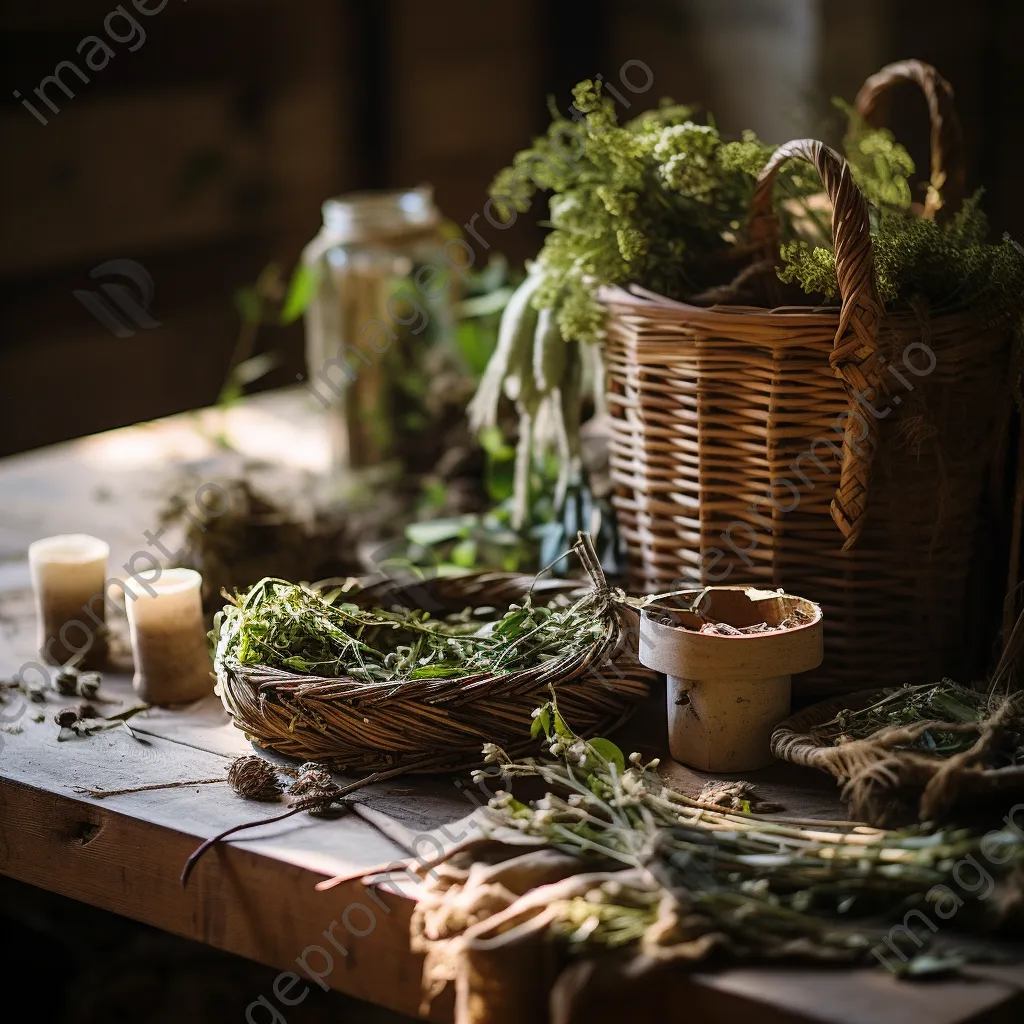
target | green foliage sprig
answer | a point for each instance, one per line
(882, 168)
(661, 201)
(945, 265)
(289, 626)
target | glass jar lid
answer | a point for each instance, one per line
(366, 216)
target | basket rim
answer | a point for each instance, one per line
(792, 741)
(640, 300)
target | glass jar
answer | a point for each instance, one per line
(379, 327)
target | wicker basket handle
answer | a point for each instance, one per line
(947, 182)
(855, 355)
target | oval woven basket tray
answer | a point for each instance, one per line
(436, 725)
(884, 782)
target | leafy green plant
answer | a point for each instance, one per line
(660, 201)
(456, 544)
(484, 295)
(882, 168)
(941, 264)
(257, 304)
(452, 544)
(919, 262)
(663, 201)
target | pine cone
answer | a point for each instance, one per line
(253, 778)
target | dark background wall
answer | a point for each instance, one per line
(206, 152)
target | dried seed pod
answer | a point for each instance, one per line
(739, 795)
(66, 682)
(86, 711)
(315, 787)
(313, 778)
(253, 778)
(66, 718)
(89, 684)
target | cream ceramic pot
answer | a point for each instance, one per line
(727, 693)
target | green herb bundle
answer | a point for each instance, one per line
(952, 716)
(920, 263)
(676, 878)
(663, 202)
(289, 626)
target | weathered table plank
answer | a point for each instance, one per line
(238, 899)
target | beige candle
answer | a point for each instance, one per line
(68, 574)
(172, 664)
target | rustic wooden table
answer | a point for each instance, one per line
(257, 896)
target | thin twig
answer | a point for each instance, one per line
(99, 794)
(194, 858)
(318, 801)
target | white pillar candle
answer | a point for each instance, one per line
(172, 663)
(68, 574)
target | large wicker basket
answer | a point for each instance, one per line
(435, 725)
(838, 453)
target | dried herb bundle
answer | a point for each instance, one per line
(253, 536)
(290, 626)
(951, 717)
(674, 878)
